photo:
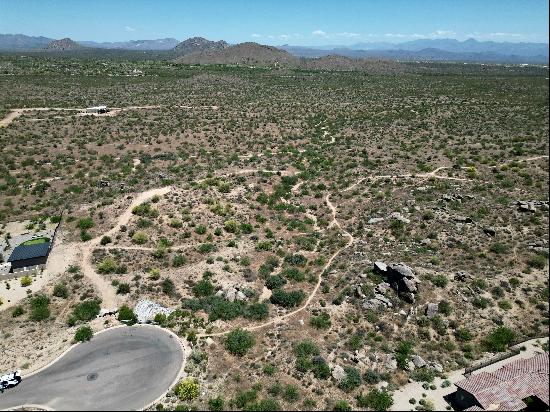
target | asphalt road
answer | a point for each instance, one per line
(121, 369)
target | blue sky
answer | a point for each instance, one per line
(296, 22)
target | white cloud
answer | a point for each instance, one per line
(129, 28)
(256, 35)
(319, 33)
(348, 35)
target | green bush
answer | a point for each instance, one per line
(499, 339)
(239, 341)
(403, 353)
(178, 261)
(39, 308)
(61, 291)
(216, 404)
(203, 288)
(17, 311)
(321, 322)
(275, 282)
(287, 299)
(139, 238)
(105, 240)
(85, 223)
(127, 315)
(86, 311)
(123, 289)
(341, 406)
(351, 381)
(376, 400)
(306, 348)
(187, 389)
(256, 311)
(83, 334)
(25, 281)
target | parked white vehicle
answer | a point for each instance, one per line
(10, 380)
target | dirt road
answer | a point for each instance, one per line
(106, 291)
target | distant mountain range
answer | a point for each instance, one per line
(423, 49)
(158, 44)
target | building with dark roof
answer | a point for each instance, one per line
(518, 385)
(26, 256)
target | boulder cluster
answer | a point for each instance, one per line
(233, 293)
(401, 278)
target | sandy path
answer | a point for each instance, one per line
(106, 291)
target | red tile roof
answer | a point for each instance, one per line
(505, 388)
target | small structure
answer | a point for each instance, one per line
(518, 385)
(27, 256)
(97, 109)
(5, 268)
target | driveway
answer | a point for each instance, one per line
(121, 369)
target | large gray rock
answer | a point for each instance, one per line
(431, 310)
(380, 267)
(338, 373)
(382, 288)
(418, 361)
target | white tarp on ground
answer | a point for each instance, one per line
(146, 310)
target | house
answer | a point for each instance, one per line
(518, 385)
(97, 109)
(29, 255)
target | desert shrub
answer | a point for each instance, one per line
(306, 348)
(256, 311)
(499, 248)
(439, 280)
(216, 404)
(351, 381)
(168, 286)
(239, 341)
(275, 282)
(139, 237)
(403, 353)
(268, 404)
(39, 308)
(187, 389)
(123, 289)
(481, 302)
(291, 393)
(320, 368)
(145, 210)
(206, 248)
(463, 335)
(499, 339)
(293, 274)
(83, 334)
(127, 315)
(61, 291)
(376, 400)
(105, 240)
(107, 266)
(296, 260)
(444, 307)
(320, 322)
(178, 261)
(85, 223)
(17, 311)
(203, 288)
(231, 226)
(505, 304)
(287, 299)
(25, 281)
(87, 310)
(372, 377)
(341, 406)
(423, 375)
(242, 398)
(537, 261)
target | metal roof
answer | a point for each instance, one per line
(23, 252)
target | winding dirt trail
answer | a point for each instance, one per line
(278, 319)
(106, 291)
